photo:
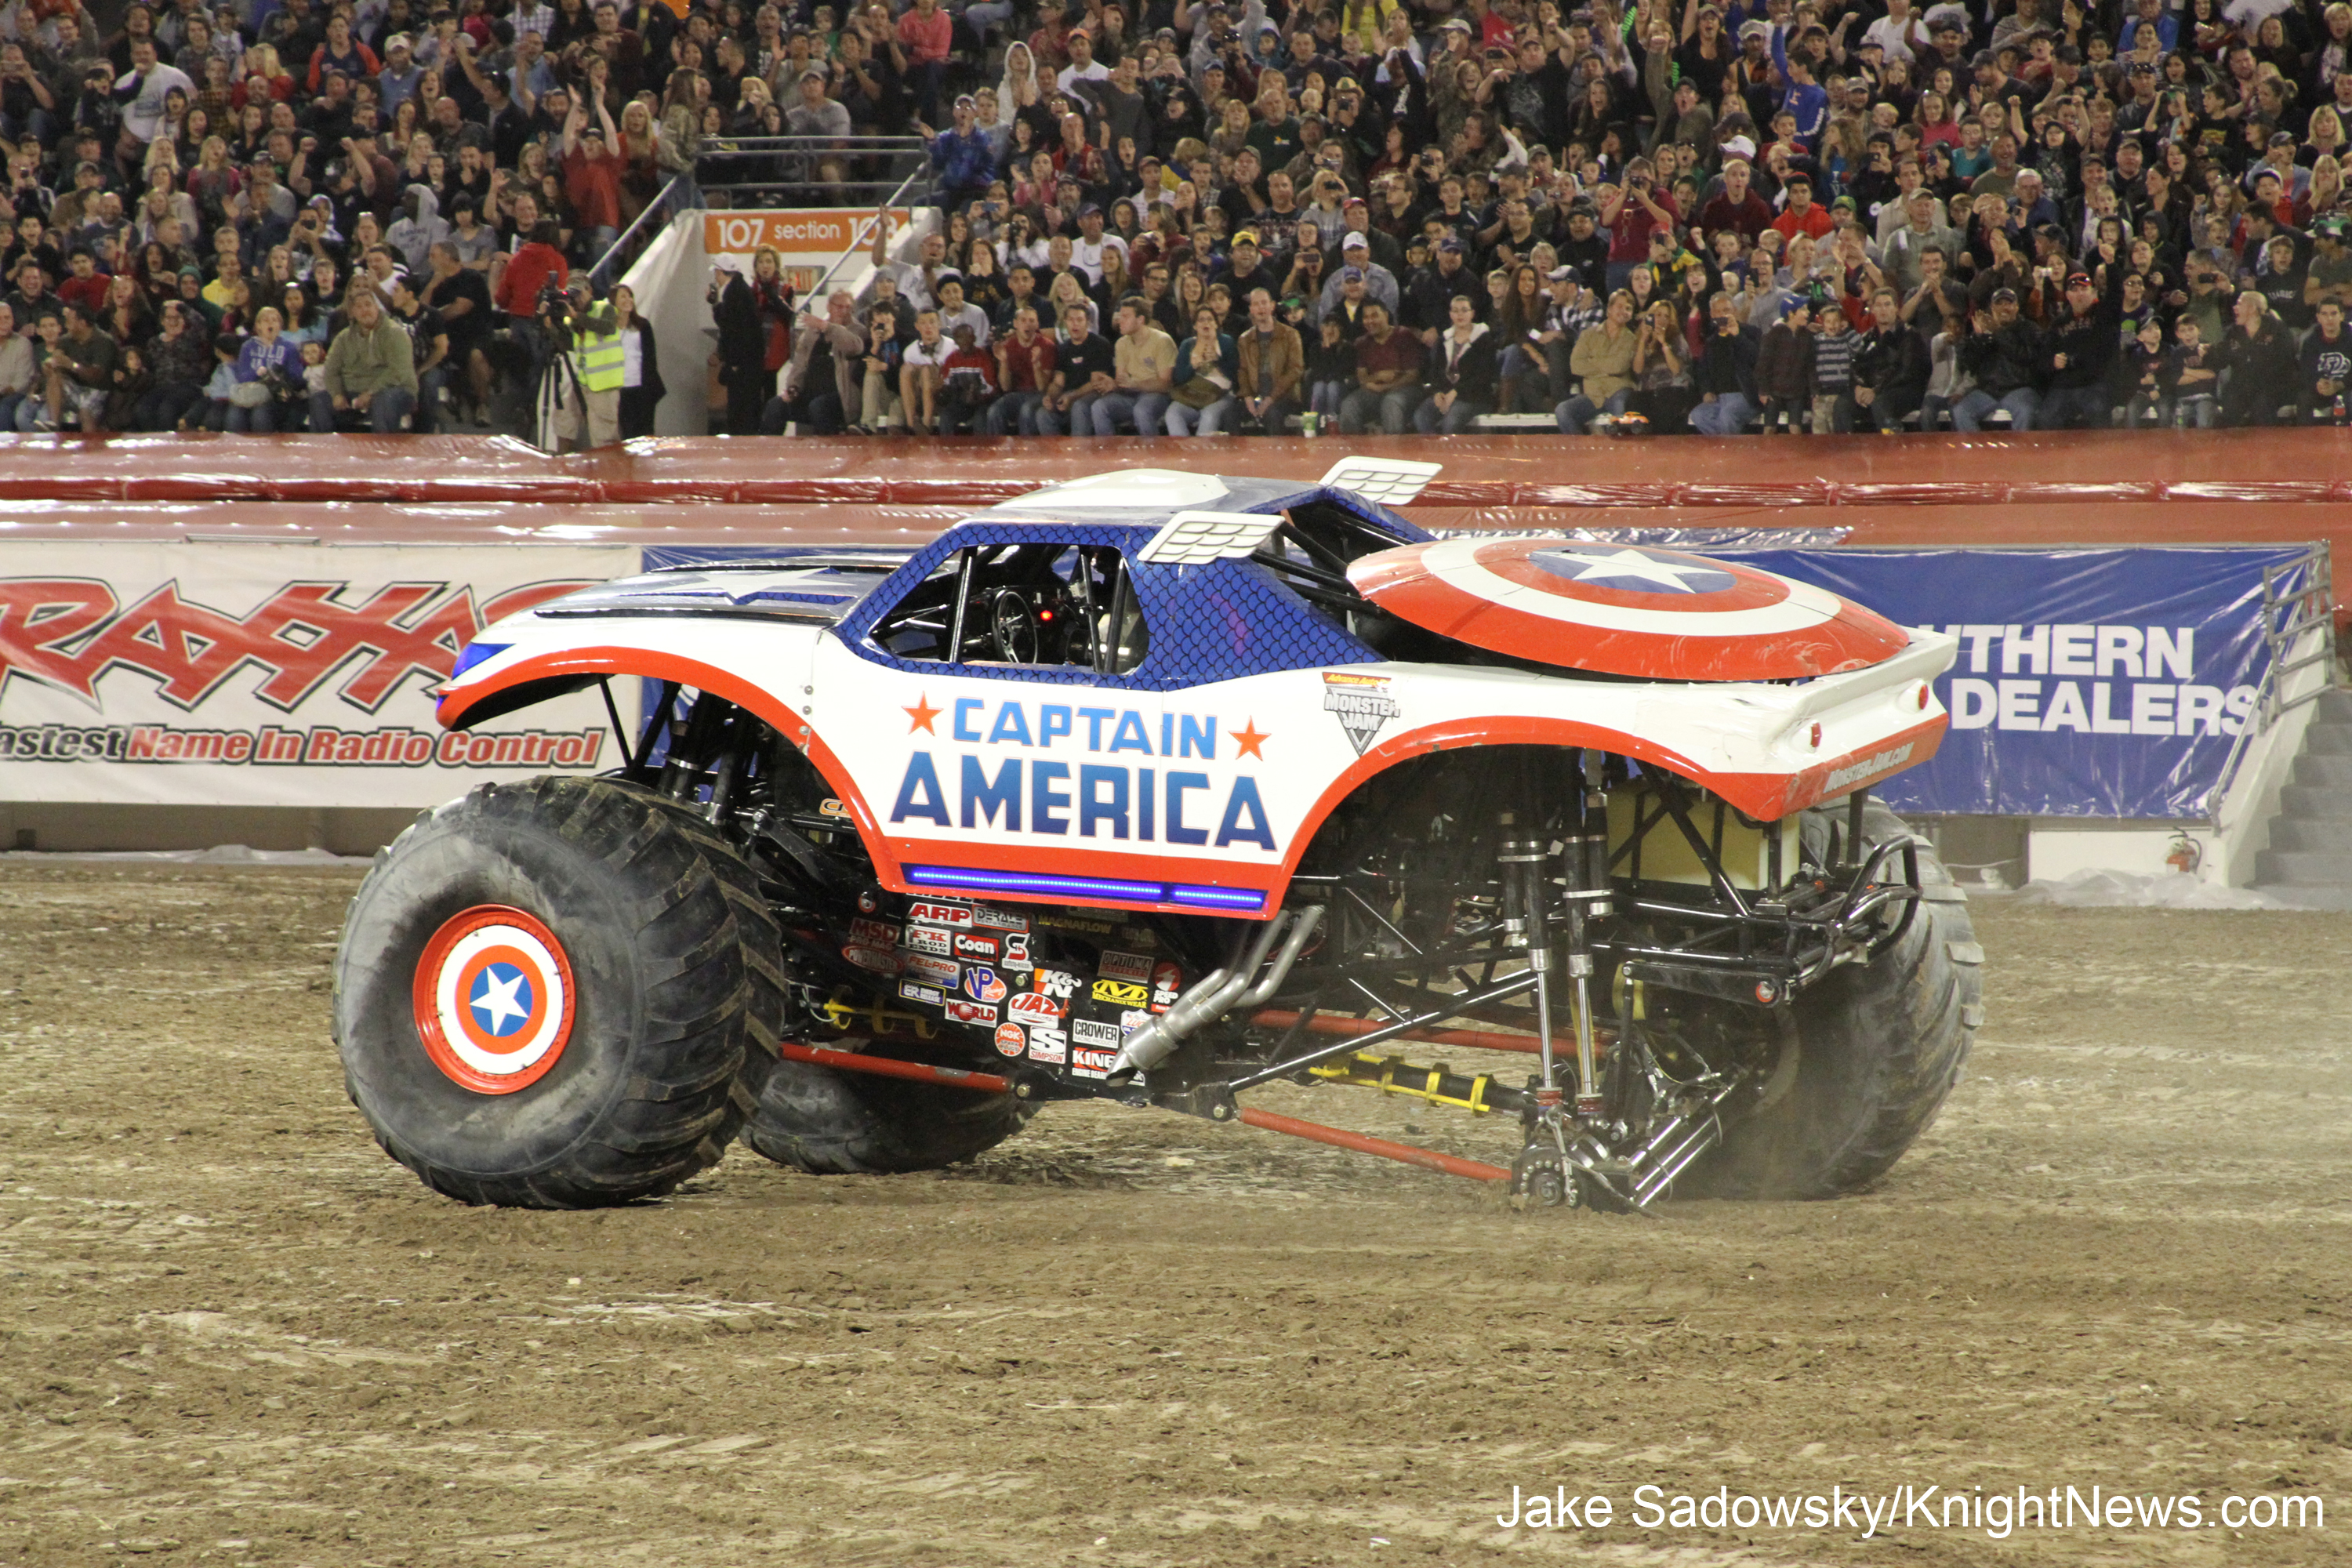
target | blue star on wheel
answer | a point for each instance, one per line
(502, 993)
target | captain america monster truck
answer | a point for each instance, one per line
(1154, 787)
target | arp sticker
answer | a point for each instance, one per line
(937, 970)
(991, 918)
(1009, 1040)
(1128, 966)
(982, 984)
(874, 933)
(1058, 983)
(1031, 1007)
(927, 913)
(1046, 1046)
(964, 1012)
(880, 960)
(1121, 993)
(910, 992)
(1167, 980)
(925, 939)
(975, 946)
(1016, 951)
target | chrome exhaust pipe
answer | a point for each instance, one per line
(1220, 991)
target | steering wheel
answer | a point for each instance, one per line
(1014, 623)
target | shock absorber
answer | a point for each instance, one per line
(1584, 876)
(1525, 925)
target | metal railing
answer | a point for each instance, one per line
(786, 167)
(606, 268)
(2289, 617)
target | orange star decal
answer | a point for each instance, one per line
(922, 714)
(1247, 742)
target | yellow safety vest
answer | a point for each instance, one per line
(602, 362)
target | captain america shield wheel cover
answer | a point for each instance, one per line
(1619, 609)
(494, 999)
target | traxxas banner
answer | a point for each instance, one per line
(271, 675)
(2107, 683)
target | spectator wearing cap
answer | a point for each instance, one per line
(1784, 367)
(955, 311)
(1724, 373)
(1086, 250)
(1143, 366)
(1271, 369)
(142, 91)
(961, 163)
(2082, 341)
(371, 370)
(2003, 353)
(1388, 376)
(822, 122)
(2328, 275)
(1603, 361)
(917, 280)
(1428, 294)
(1380, 283)
(1461, 373)
(1247, 269)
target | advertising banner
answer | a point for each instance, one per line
(2107, 683)
(238, 674)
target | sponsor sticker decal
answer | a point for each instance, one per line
(1058, 983)
(880, 960)
(1125, 966)
(874, 933)
(964, 1012)
(937, 970)
(991, 918)
(928, 913)
(1048, 1046)
(1167, 980)
(1362, 704)
(975, 946)
(1120, 994)
(982, 984)
(910, 992)
(925, 939)
(1009, 1041)
(1032, 1008)
(1016, 951)
(1095, 1032)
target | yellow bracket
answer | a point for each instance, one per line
(1391, 1075)
(874, 1017)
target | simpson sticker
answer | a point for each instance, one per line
(910, 992)
(880, 960)
(874, 933)
(975, 946)
(1125, 966)
(1048, 1046)
(982, 986)
(1362, 703)
(1031, 1008)
(964, 1012)
(925, 912)
(1009, 1041)
(937, 970)
(924, 939)
(1119, 994)
(990, 919)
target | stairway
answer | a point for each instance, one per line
(2309, 861)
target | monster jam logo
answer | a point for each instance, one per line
(66, 633)
(1362, 703)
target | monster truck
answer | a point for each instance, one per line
(1155, 787)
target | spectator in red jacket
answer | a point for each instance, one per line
(592, 168)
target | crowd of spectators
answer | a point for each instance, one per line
(287, 214)
(1186, 218)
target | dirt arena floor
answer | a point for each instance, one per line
(231, 1330)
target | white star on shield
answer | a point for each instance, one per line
(497, 999)
(1633, 563)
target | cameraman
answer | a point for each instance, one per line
(587, 393)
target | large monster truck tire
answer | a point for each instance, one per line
(546, 993)
(831, 1123)
(1875, 1049)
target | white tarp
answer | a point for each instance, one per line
(234, 674)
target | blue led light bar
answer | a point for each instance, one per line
(1190, 896)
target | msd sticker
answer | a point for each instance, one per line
(964, 1012)
(982, 986)
(1009, 1041)
(1048, 1045)
(1128, 966)
(924, 939)
(874, 933)
(937, 970)
(925, 912)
